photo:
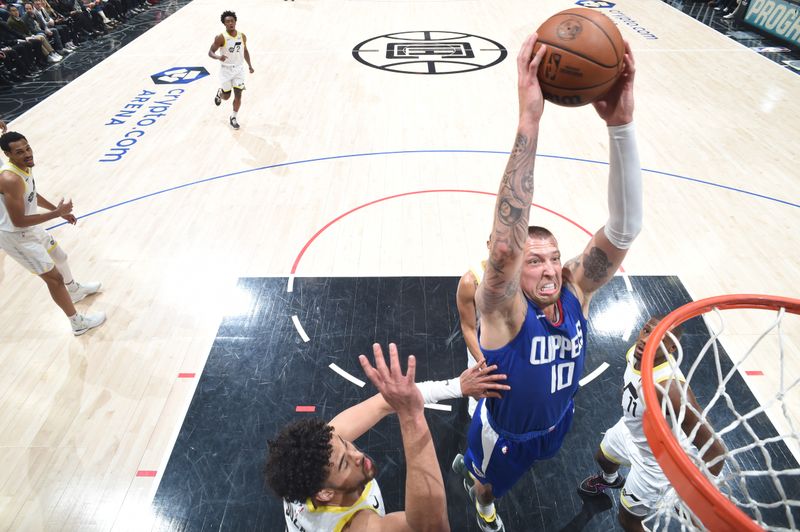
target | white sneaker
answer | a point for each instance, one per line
(52, 59)
(78, 291)
(89, 321)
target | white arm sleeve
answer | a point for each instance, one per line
(624, 187)
(435, 391)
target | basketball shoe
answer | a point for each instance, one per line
(234, 123)
(596, 484)
(491, 524)
(82, 323)
(78, 291)
(218, 97)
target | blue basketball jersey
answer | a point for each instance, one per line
(544, 363)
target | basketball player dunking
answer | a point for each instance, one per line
(531, 328)
(233, 45)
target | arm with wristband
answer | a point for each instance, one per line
(478, 381)
(608, 247)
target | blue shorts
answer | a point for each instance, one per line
(500, 460)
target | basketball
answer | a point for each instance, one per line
(583, 58)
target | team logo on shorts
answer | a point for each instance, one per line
(179, 75)
(429, 52)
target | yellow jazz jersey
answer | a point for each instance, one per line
(30, 197)
(305, 517)
(233, 49)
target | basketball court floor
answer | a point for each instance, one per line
(237, 266)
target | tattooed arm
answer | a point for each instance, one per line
(499, 298)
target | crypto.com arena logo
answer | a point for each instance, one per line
(179, 75)
(429, 52)
(595, 4)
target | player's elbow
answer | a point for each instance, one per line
(623, 235)
(502, 254)
(18, 221)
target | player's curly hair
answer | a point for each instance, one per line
(297, 465)
(226, 14)
(7, 138)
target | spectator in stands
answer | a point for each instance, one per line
(75, 11)
(16, 23)
(53, 37)
(99, 18)
(49, 20)
(28, 51)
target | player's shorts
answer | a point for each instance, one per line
(231, 77)
(31, 248)
(502, 459)
(646, 483)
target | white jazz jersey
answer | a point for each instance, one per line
(30, 198)
(233, 49)
(633, 400)
(305, 517)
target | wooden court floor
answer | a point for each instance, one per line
(343, 170)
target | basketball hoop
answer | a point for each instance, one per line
(727, 502)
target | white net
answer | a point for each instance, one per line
(748, 395)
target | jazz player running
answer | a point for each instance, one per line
(532, 309)
(233, 45)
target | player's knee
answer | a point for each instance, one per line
(53, 277)
(58, 255)
(605, 464)
(483, 492)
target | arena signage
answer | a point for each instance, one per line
(777, 17)
(595, 4)
(621, 18)
(137, 117)
(179, 75)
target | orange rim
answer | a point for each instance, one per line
(714, 509)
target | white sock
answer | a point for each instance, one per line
(234, 114)
(487, 511)
(610, 477)
(74, 319)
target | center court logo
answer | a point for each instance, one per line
(179, 75)
(429, 52)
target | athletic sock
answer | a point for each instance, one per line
(610, 477)
(234, 114)
(74, 319)
(486, 511)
